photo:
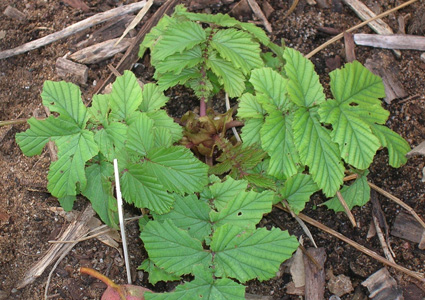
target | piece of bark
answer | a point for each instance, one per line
(76, 73)
(339, 285)
(259, 13)
(406, 227)
(112, 29)
(418, 150)
(131, 55)
(74, 28)
(14, 13)
(315, 278)
(74, 231)
(78, 4)
(99, 52)
(350, 54)
(329, 30)
(382, 286)
(241, 10)
(391, 41)
(381, 66)
(291, 289)
(267, 8)
(364, 13)
(333, 63)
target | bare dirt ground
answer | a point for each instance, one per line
(28, 219)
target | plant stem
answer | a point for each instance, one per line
(202, 108)
(101, 277)
(17, 121)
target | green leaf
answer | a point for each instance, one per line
(67, 202)
(245, 210)
(278, 141)
(150, 193)
(223, 192)
(177, 62)
(99, 192)
(318, 151)
(247, 255)
(191, 214)
(140, 135)
(357, 194)
(397, 146)
(356, 84)
(74, 151)
(156, 274)
(172, 248)
(65, 98)
(153, 98)
(111, 139)
(99, 109)
(297, 190)
(249, 107)
(356, 142)
(126, 96)
(251, 131)
(33, 140)
(304, 87)
(204, 286)
(272, 86)
(162, 120)
(177, 38)
(232, 78)
(162, 138)
(237, 47)
(168, 80)
(177, 169)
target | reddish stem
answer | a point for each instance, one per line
(104, 279)
(202, 108)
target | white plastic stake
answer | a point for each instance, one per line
(121, 218)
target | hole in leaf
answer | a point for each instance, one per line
(240, 213)
(353, 104)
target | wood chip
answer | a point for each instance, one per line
(77, 4)
(99, 52)
(418, 150)
(406, 227)
(365, 13)
(339, 285)
(350, 54)
(315, 278)
(259, 13)
(391, 41)
(15, 14)
(76, 73)
(382, 66)
(382, 286)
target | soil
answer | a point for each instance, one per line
(29, 215)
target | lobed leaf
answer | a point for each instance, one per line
(178, 38)
(150, 193)
(249, 107)
(204, 286)
(65, 98)
(156, 274)
(153, 98)
(272, 86)
(297, 190)
(237, 47)
(318, 151)
(140, 135)
(244, 210)
(162, 120)
(111, 139)
(232, 78)
(172, 248)
(177, 62)
(304, 87)
(191, 214)
(126, 96)
(74, 151)
(251, 131)
(356, 194)
(278, 141)
(99, 192)
(397, 146)
(224, 192)
(246, 255)
(177, 169)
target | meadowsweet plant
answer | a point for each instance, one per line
(203, 218)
